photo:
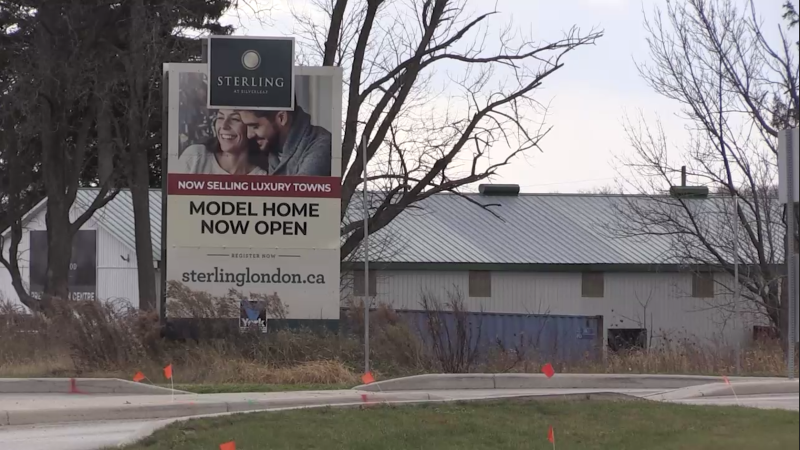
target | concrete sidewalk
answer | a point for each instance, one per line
(788, 402)
(20, 409)
(559, 381)
(740, 387)
(24, 409)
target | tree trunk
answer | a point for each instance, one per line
(138, 117)
(105, 142)
(59, 251)
(54, 167)
(140, 193)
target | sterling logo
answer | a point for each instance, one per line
(251, 60)
(250, 73)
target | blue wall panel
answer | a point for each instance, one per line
(541, 337)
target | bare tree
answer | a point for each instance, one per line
(82, 80)
(736, 90)
(644, 318)
(152, 33)
(55, 78)
(420, 139)
(144, 43)
(454, 337)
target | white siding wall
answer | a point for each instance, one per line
(116, 278)
(671, 312)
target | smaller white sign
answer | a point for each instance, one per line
(785, 139)
(306, 281)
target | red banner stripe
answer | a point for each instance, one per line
(253, 185)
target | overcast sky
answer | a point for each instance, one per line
(589, 97)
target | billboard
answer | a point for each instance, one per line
(82, 279)
(253, 197)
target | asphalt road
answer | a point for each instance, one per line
(73, 436)
(99, 435)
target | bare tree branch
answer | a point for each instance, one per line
(734, 89)
(422, 139)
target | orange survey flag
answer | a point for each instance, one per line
(228, 446)
(168, 372)
(367, 378)
(551, 435)
(139, 377)
(548, 370)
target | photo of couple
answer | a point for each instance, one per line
(244, 142)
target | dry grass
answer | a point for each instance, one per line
(315, 372)
(95, 339)
(107, 339)
(242, 371)
(765, 359)
(50, 365)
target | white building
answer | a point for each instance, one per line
(524, 254)
(116, 253)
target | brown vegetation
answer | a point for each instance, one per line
(110, 339)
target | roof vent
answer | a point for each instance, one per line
(499, 189)
(684, 191)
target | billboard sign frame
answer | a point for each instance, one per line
(320, 92)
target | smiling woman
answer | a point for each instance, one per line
(228, 152)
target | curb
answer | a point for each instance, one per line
(724, 390)
(185, 408)
(539, 381)
(80, 386)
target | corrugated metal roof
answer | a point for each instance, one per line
(528, 229)
(448, 228)
(553, 229)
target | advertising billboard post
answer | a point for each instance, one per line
(788, 148)
(252, 200)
